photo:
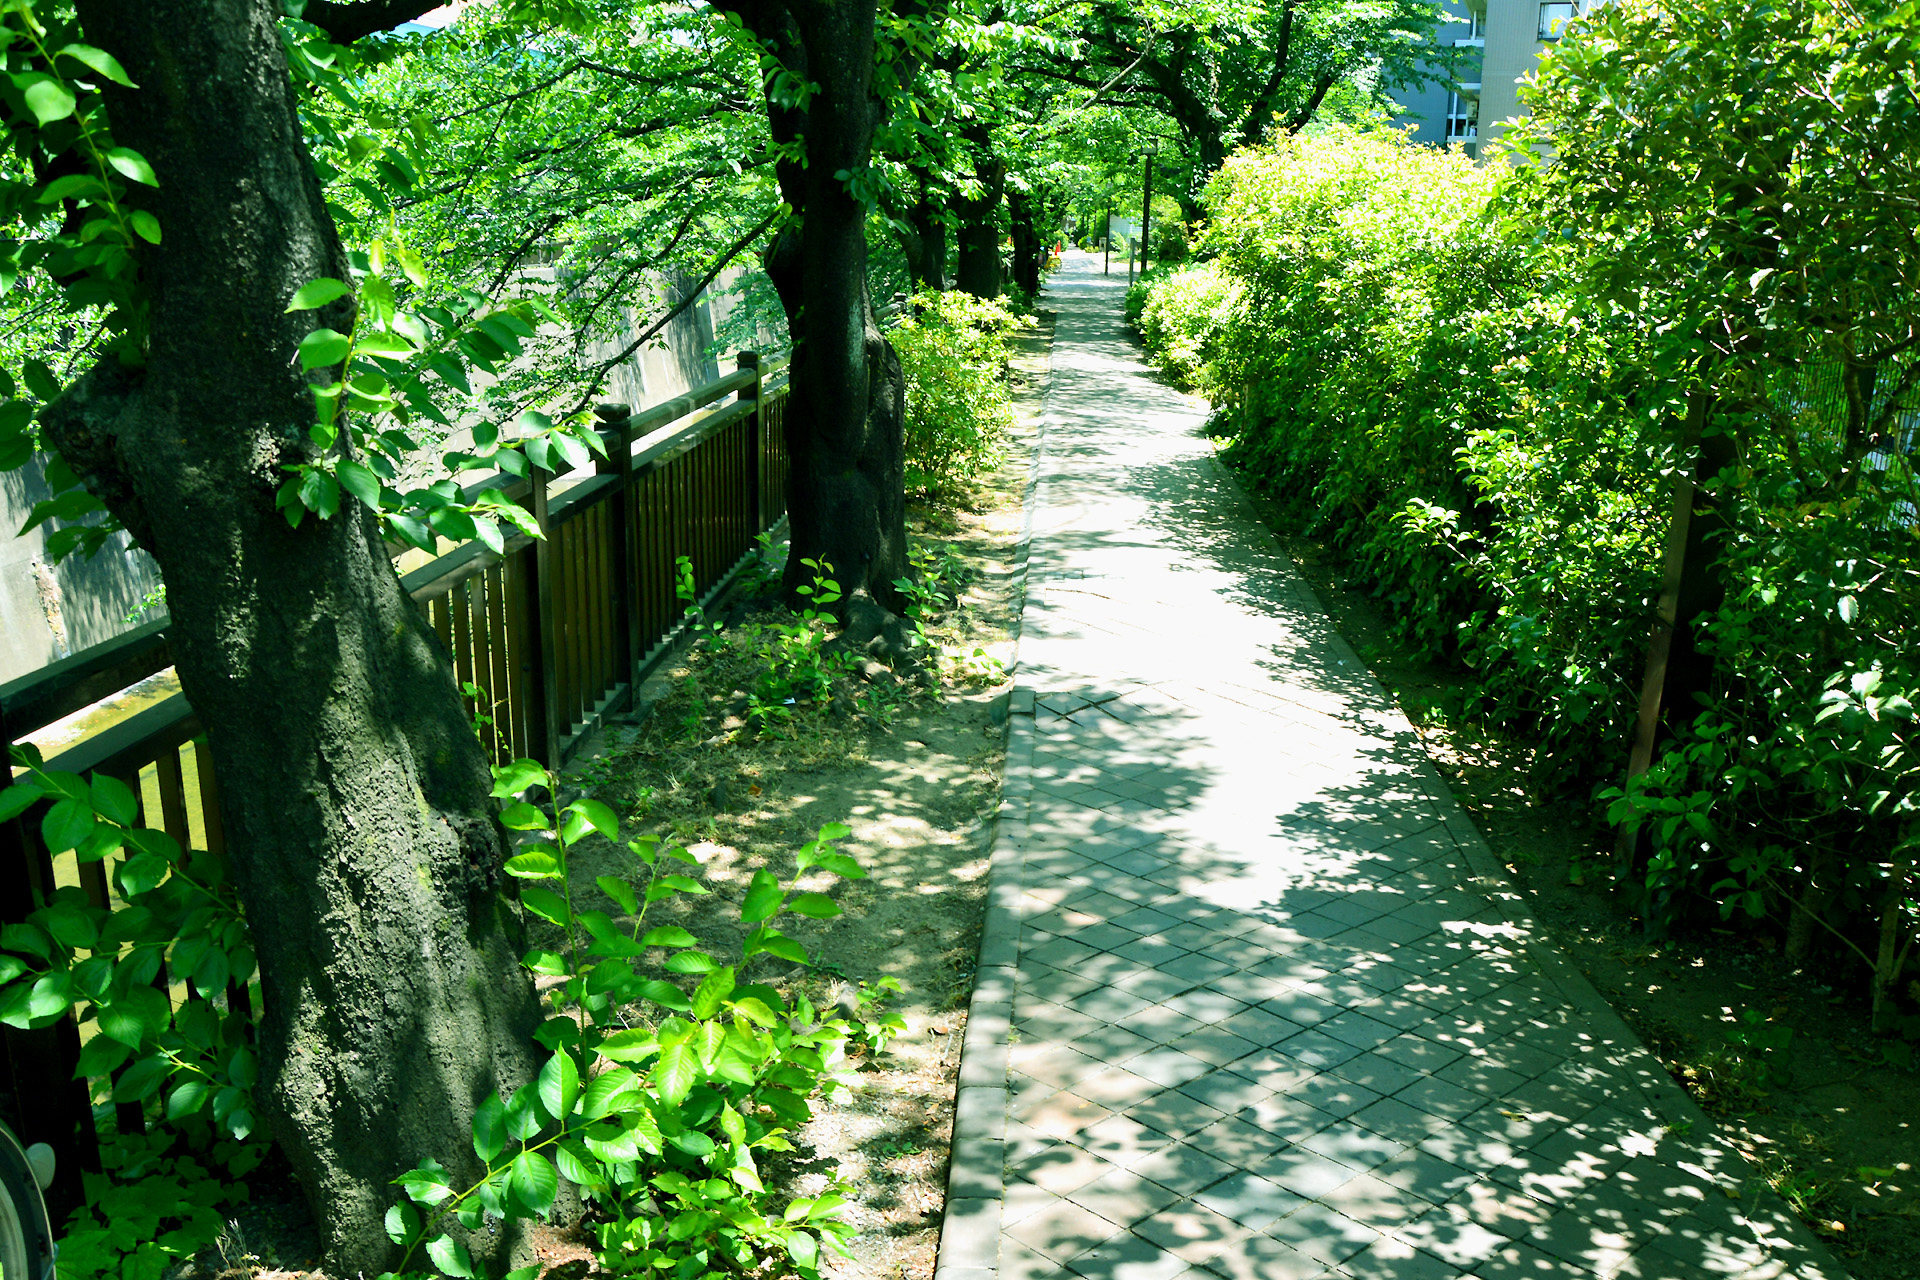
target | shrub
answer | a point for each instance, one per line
(954, 351)
(1182, 315)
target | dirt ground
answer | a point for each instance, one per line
(1828, 1119)
(914, 769)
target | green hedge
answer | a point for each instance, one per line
(1468, 380)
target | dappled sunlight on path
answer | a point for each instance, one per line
(1272, 1013)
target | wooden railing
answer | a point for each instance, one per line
(552, 633)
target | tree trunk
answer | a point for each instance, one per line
(924, 241)
(354, 793)
(977, 269)
(1027, 249)
(846, 434)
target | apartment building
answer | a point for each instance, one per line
(1482, 50)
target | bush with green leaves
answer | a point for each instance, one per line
(1181, 316)
(1476, 383)
(1399, 380)
(954, 350)
(671, 1086)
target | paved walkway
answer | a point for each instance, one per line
(1274, 1015)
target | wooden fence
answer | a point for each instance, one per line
(552, 633)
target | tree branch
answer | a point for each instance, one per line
(345, 21)
(720, 264)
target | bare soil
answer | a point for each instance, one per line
(913, 767)
(1830, 1119)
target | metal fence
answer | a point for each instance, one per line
(552, 634)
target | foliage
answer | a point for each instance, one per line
(159, 1199)
(954, 351)
(671, 1087)
(1181, 315)
(105, 964)
(1475, 383)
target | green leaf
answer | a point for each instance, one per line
(520, 816)
(668, 935)
(620, 892)
(817, 906)
(426, 1184)
(559, 1085)
(835, 831)
(101, 62)
(40, 379)
(516, 777)
(545, 903)
(17, 799)
(145, 225)
(535, 866)
(402, 1222)
(532, 1181)
(577, 1165)
(318, 293)
(713, 990)
(113, 799)
(48, 99)
(675, 1073)
(322, 349)
(664, 994)
(450, 1256)
(67, 823)
(550, 963)
(490, 1129)
(358, 479)
(101, 1056)
(187, 1098)
(600, 816)
(141, 1080)
(27, 939)
(763, 898)
(132, 165)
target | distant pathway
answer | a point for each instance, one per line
(1274, 1015)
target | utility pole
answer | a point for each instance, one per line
(1146, 206)
(1106, 265)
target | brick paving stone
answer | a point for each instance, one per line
(1267, 1023)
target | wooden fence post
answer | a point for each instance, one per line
(543, 682)
(626, 614)
(36, 1067)
(757, 480)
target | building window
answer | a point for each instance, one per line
(1477, 22)
(1554, 18)
(1463, 114)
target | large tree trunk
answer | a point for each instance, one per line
(846, 434)
(977, 268)
(354, 793)
(925, 241)
(1027, 249)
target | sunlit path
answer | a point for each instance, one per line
(1270, 1016)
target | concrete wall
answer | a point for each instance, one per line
(47, 612)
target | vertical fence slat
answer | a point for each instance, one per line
(505, 710)
(544, 678)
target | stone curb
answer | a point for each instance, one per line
(976, 1171)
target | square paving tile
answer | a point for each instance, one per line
(1123, 1196)
(1191, 1230)
(1250, 1200)
(1239, 1142)
(1185, 1167)
(1260, 1257)
(1175, 1113)
(1323, 1233)
(1064, 1230)
(1128, 1257)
